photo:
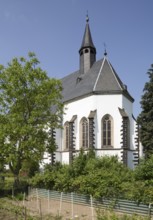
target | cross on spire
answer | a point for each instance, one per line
(87, 17)
(105, 52)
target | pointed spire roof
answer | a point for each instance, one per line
(87, 39)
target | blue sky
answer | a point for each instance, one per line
(54, 29)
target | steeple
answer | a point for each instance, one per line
(87, 51)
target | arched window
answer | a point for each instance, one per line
(107, 131)
(84, 131)
(86, 50)
(66, 136)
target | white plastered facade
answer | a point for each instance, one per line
(103, 104)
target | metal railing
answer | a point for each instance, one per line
(72, 200)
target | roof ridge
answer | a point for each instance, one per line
(115, 75)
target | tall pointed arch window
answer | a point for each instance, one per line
(84, 131)
(107, 131)
(66, 136)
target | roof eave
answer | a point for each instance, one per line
(125, 93)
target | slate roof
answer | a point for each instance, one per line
(101, 78)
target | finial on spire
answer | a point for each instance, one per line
(105, 52)
(87, 17)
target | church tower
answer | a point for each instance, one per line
(87, 51)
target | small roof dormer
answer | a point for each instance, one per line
(87, 51)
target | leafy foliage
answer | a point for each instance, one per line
(145, 170)
(144, 180)
(29, 168)
(30, 107)
(145, 118)
(101, 177)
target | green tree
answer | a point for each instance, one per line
(143, 184)
(143, 171)
(30, 108)
(29, 168)
(145, 118)
(104, 177)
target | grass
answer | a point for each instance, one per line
(11, 210)
(6, 215)
(111, 215)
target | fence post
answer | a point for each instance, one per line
(37, 198)
(72, 204)
(48, 201)
(25, 213)
(92, 211)
(24, 199)
(12, 191)
(149, 210)
(29, 191)
(61, 198)
(28, 196)
(40, 210)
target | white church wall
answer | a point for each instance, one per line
(46, 160)
(58, 156)
(141, 154)
(104, 104)
(128, 106)
(59, 134)
(109, 153)
(108, 104)
(133, 134)
(65, 157)
(81, 108)
(130, 159)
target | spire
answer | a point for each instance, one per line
(87, 39)
(87, 51)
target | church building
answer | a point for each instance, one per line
(98, 111)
